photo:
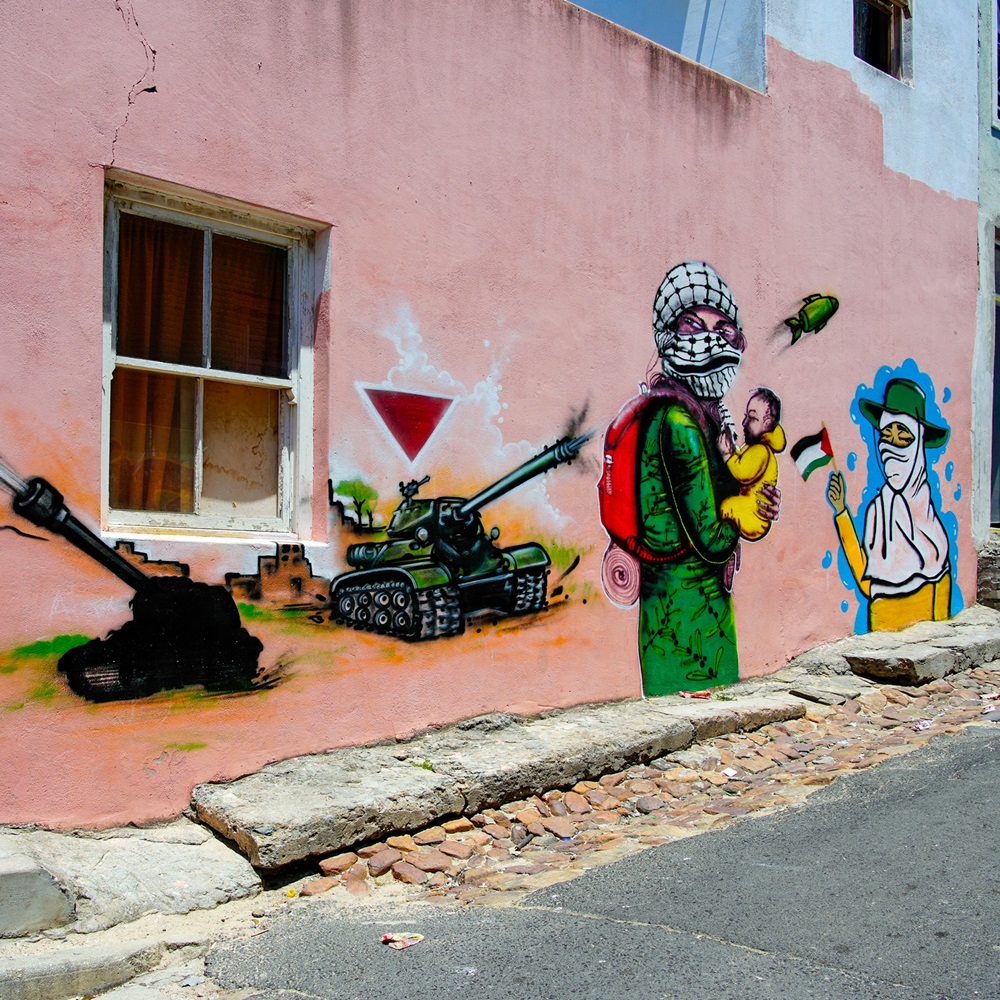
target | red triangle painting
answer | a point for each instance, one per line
(410, 417)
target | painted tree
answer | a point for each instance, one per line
(360, 494)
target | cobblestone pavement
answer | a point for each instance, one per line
(496, 855)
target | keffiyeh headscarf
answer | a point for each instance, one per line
(705, 362)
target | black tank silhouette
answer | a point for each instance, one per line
(182, 632)
(439, 564)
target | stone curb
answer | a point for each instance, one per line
(309, 806)
(923, 652)
(82, 971)
(90, 881)
(323, 803)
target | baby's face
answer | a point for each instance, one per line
(758, 420)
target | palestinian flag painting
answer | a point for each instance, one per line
(812, 452)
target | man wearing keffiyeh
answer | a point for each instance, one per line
(687, 631)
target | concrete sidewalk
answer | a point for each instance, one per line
(56, 887)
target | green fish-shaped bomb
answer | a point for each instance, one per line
(813, 316)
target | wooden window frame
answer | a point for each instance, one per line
(900, 12)
(174, 204)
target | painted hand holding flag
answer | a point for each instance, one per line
(812, 452)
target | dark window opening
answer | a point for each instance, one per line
(878, 34)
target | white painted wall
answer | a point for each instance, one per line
(929, 120)
(989, 219)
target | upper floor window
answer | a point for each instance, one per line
(881, 33)
(204, 339)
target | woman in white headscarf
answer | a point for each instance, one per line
(902, 565)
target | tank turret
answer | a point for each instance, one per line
(438, 564)
(181, 632)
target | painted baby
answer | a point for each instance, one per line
(755, 465)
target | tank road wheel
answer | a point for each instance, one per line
(95, 672)
(440, 612)
(386, 606)
(235, 667)
(96, 681)
(529, 592)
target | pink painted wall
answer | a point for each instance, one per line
(520, 174)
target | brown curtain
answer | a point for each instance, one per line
(159, 318)
(248, 307)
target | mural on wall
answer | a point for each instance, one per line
(755, 465)
(665, 481)
(181, 632)
(438, 565)
(817, 310)
(409, 418)
(362, 497)
(432, 571)
(902, 561)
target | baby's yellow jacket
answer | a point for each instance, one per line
(753, 466)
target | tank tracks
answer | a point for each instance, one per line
(392, 607)
(530, 591)
(121, 668)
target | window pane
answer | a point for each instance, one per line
(873, 35)
(240, 463)
(248, 306)
(159, 290)
(152, 442)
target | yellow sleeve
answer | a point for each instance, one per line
(748, 464)
(856, 557)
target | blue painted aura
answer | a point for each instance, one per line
(876, 479)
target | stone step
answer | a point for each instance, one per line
(87, 881)
(77, 972)
(924, 652)
(323, 803)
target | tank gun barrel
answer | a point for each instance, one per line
(562, 451)
(42, 504)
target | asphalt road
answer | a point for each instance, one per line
(884, 884)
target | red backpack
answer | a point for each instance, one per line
(618, 489)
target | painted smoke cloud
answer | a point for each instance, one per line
(466, 451)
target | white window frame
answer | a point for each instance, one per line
(181, 206)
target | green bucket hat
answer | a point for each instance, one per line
(904, 396)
